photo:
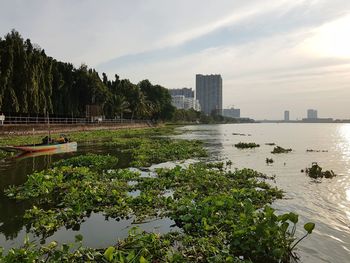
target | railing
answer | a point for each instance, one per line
(55, 120)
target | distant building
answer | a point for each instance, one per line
(232, 113)
(178, 101)
(209, 93)
(182, 102)
(184, 99)
(187, 92)
(286, 115)
(197, 105)
(94, 113)
(312, 114)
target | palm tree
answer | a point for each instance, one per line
(144, 107)
(120, 105)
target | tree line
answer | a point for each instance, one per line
(32, 83)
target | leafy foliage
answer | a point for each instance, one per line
(223, 214)
(162, 150)
(92, 161)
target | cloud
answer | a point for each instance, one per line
(331, 39)
(260, 21)
(272, 54)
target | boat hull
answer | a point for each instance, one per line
(70, 146)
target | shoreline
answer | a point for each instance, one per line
(25, 129)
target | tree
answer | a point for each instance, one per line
(35, 84)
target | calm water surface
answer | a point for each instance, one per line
(327, 202)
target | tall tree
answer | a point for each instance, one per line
(35, 84)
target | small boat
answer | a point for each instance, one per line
(68, 146)
(61, 144)
(24, 155)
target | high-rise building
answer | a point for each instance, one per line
(184, 99)
(311, 114)
(209, 93)
(182, 102)
(286, 115)
(187, 92)
(232, 113)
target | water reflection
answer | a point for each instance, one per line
(14, 171)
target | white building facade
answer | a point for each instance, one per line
(182, 102)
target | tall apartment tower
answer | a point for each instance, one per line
(286, 115)
(312, 114)
(209, 93)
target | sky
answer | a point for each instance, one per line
(273, 55)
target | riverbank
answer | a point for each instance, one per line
(28, 129)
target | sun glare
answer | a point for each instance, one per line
(331, 39)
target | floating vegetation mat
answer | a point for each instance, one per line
(269, 160)
(224, 215)
(315, 171)
(316, 151)
(4, 154)
(145, 146)
(244, 145)
(279, 149)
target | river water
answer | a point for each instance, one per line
(325, 202)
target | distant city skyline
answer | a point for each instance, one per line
(272, 54)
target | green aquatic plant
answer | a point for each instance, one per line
(229, 163)
(241, 134)
(279, 149)
(216, 165)
(72, 193)
(4, 154)
(311, 150)
(244, 145)
(146, 146)
(269, 160)
(93, 161)
(315, 171)
(143, 247)
(153, 151)
(223, 215)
